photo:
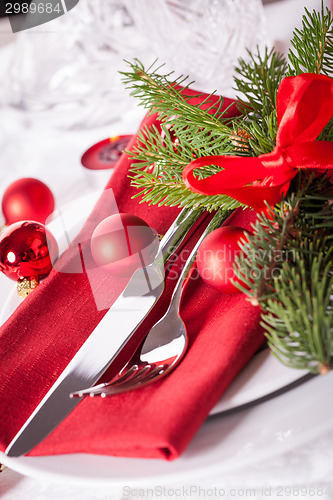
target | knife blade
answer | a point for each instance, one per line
(106, 341)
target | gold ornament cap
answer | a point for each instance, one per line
(25, 286)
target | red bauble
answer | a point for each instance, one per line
(216, 257)
(27, 250)
(27, 199)
(123, 243)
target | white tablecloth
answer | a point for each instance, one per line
(304, 472)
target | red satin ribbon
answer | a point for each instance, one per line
(304, 107)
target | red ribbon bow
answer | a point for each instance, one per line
(304, 107)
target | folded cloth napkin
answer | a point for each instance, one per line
(46, 330)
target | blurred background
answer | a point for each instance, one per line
(71, 80)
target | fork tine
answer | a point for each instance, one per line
(119, 381)
(116, 386)
(125, 374)
(135, 377)
(146, 375)
(98, 389)
(140, 373)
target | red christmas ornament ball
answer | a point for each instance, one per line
(216, 257)
(27, 250)
(27, 199)
(123, 243)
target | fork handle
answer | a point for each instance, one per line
(219, 218)
(185, 224)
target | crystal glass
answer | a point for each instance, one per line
(66, 72)
(201, 38)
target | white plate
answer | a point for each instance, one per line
(222, 445)
(264, 375)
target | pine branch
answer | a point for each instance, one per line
(166, 95)
(300, 324)
(313, 44)
(287, 269)
(159, 161)
(258, 82)
(157, 172)
(199, 132)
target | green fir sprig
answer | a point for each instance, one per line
(201, 129)
(287, 269)
(159, 162)
(312, 45)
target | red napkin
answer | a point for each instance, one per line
(47, 329)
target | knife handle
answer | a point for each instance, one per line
(185, 224)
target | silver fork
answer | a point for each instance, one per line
(165, 343)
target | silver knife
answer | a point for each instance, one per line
(106, 341)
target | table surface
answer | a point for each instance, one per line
(313, 461)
